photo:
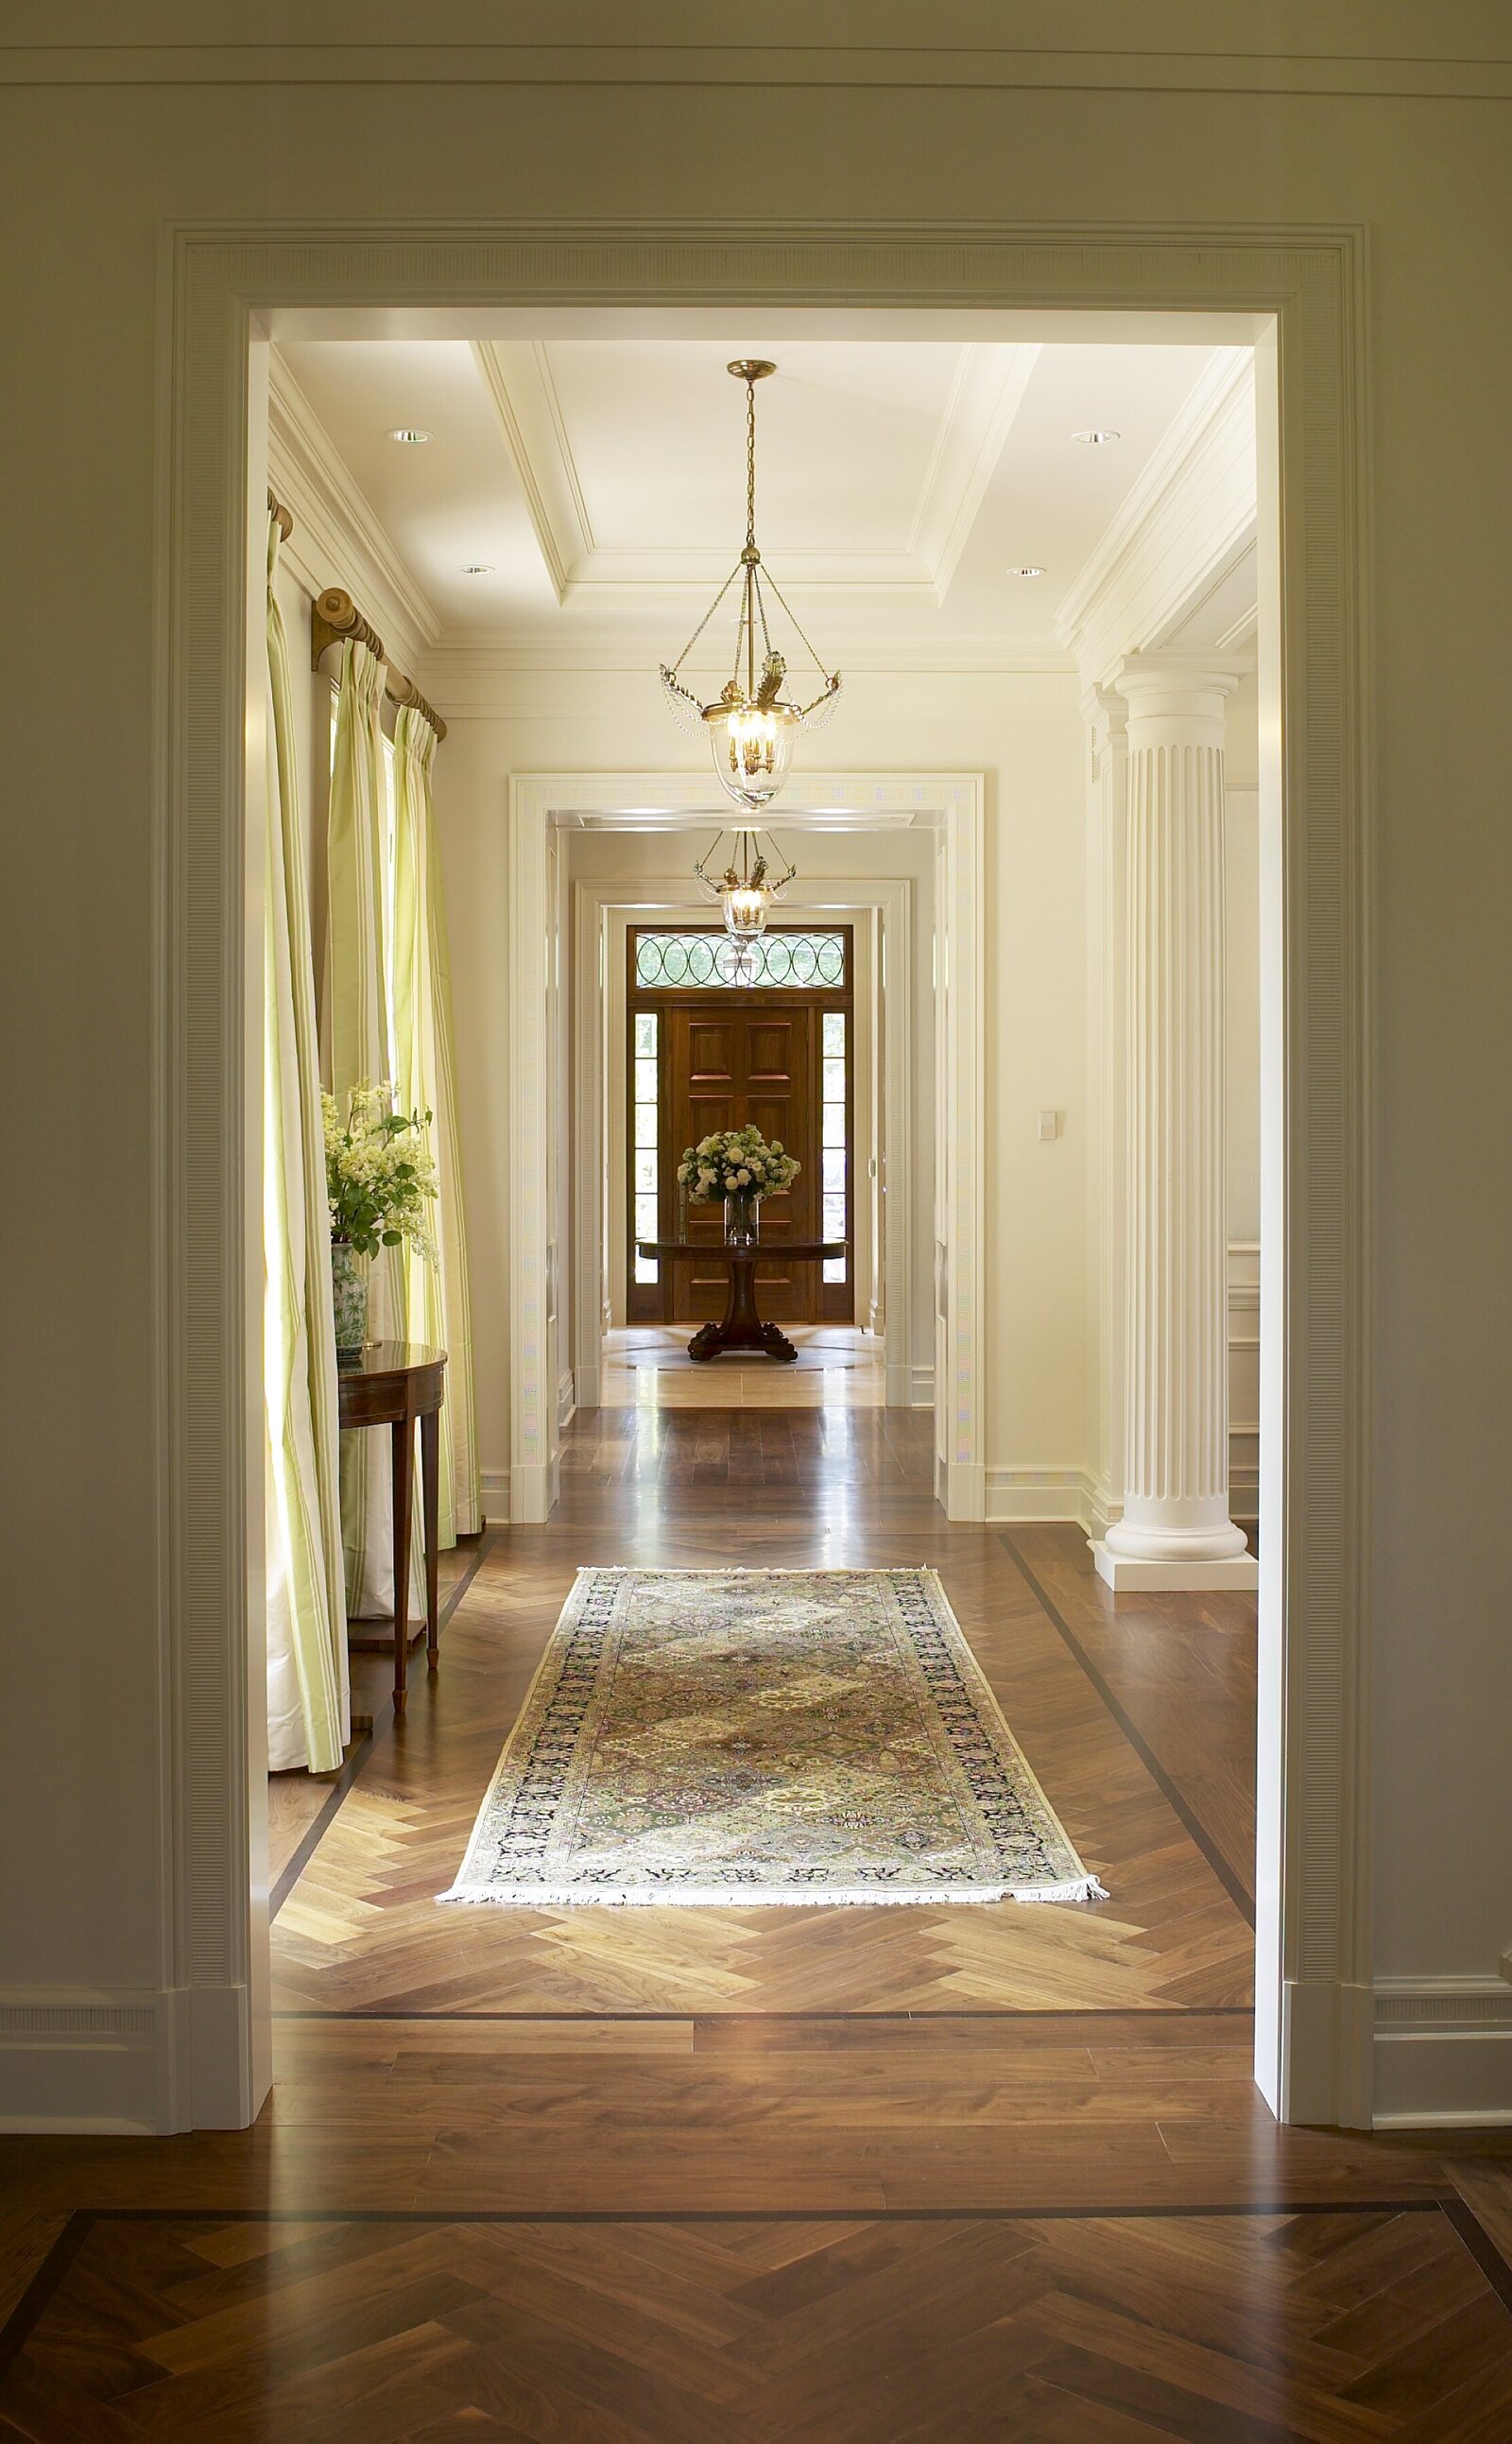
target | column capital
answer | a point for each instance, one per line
(1176, 687)
(1104, 712)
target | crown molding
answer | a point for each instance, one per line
(1458, 48)
(339, 538)
(1186, 521)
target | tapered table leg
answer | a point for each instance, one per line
(403, 1503)
(431, 1505)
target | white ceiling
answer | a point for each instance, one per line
(900, 480)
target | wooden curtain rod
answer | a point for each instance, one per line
(335, 617)
(284, 517)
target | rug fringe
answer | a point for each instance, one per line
(1080, 1888)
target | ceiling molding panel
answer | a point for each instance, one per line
(517, 377)
(990, 386)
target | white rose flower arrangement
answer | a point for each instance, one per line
(736, 1162)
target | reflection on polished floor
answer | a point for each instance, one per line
(837, 1366)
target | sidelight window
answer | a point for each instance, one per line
(834, 1151)
(645, 1109)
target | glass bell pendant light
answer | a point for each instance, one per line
(751, 727)
(747, 888)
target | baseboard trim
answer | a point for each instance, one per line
(909, 1387)
(1443, 2053)
(524, 1494)
(1326, 2046)
(100, 2062)
(1018, 1496)
(959, 1484)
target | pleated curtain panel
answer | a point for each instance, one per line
(359, 1046)
(435, 1295)
(308, 1687)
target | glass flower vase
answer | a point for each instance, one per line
(743, 1212)
(349, 1283)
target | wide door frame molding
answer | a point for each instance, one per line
(598, 901)
(1301, 290)
(950, 805)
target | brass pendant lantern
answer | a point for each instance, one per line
(752, 727)
(747, 888)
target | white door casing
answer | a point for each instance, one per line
(201, 2034)
(541, 804)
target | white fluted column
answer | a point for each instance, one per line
(1175, 1531)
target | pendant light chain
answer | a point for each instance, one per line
(750, 463)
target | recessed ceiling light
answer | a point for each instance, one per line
(477, 568)
(1029, 569)
(1095, 435)
(407, 432)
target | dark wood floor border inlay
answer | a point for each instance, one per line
(16, 2331)
(1189, 2013)
(55, 2267)
(1243, 1898)
(362, 1748)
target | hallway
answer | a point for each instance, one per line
(645, 2176)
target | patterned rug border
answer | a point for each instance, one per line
(467, 1893)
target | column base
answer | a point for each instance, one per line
(1125, 1571)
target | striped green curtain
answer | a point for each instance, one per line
(436, 1295)
(359, 1041)
(309, 1692)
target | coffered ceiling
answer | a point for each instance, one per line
(578, 494)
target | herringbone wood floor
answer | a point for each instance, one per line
(859, 2176)
(1338, 2326)
(362, 1929)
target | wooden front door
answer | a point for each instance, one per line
(776, 1054)
(729, 1067)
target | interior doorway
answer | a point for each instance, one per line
(1312, 1746)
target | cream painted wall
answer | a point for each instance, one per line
(1025, 736)
(81, 402)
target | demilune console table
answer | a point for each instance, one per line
(742, 1328)
(395, 1383)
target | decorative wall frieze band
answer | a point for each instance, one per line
(1471, 66)
(1436, 2004)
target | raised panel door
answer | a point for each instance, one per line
(728, 1068)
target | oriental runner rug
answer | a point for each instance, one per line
(729, 1737)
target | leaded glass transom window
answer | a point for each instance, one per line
(707, 962)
